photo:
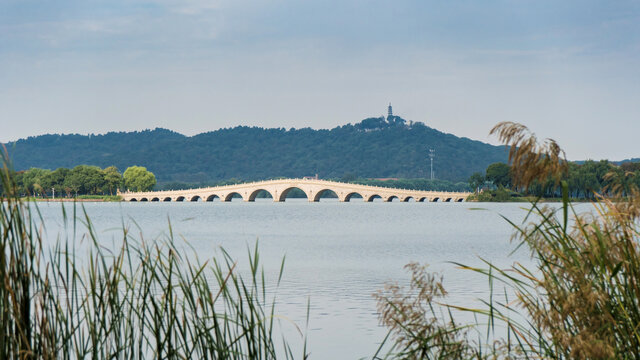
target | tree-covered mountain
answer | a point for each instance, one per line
(375, 147)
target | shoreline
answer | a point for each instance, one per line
(71, 200)
(68, 200)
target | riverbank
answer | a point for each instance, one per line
(503, 196)
(82, 198)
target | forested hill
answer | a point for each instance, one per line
(375, 147)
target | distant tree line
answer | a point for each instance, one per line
(584, 179)
(83, 180)
(179, 185)
(416, 184)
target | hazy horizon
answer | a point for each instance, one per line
(569, 70)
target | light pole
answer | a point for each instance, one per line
(432, 154)
(53, 190)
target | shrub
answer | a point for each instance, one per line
(580, 301)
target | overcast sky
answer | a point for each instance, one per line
(570, 70)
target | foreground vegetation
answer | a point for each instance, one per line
(581, 301)
(141, 300)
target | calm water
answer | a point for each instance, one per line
(337, 254)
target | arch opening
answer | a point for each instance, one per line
(195, 198)
(435, 199)
(375, 198)
(325, 194)
(459, 200)
(353, 195)
(293, 193)
(167, 199)
(409, 199)
(422, 199)
(260, 194)
(231, 196)
(143, 199)
(155, 199)
(180, 198)
(447, 200)
(133, 200)
(393, 198)
(212, 197)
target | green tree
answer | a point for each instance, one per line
(112, 179)
(630, 166)
(138, 178)
(19, 177)
(499, 174)
(476, 180)
(57, 178)
(36, 181)
(349, 177)
(85, 179)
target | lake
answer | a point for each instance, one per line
(337, 254)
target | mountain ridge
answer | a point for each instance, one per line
(373, 147)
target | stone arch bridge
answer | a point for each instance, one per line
(278, 189)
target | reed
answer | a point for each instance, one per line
(579, 301)
(145, 299)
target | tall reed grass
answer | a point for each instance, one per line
(144, 300)
(579, 301)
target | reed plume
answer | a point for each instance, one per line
(580, 300)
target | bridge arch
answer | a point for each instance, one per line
(435, 199)
(195, 198)
(180, 198)
(144, 199)
(422, 199)
(406, 199)
(212, 197)
(133, 200)
(371, 198)
(285, 192)
(350, 195)
(231, 195)
(167, 199)
(447, 200)
(155, 199)
(322, 192)
(255, 193)
(459, 200)
(391, 198)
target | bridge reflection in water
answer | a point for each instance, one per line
(278, 189)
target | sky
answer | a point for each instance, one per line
(569, 70)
